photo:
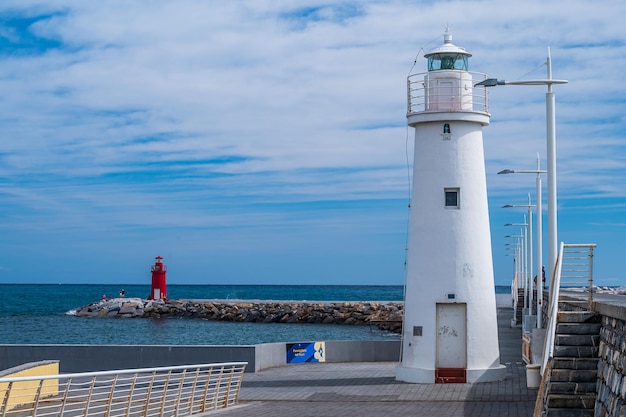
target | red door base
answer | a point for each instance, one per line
(450, 376)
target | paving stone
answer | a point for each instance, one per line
(370, 389)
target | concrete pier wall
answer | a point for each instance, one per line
(611, 385)
(88, 358)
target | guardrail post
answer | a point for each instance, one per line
(148, 392)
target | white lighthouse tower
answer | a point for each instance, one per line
(450, 324)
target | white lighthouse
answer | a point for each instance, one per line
(450, 324)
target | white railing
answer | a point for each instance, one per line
(577, 268)
(462, 95)
(167, 391)
(574, 267)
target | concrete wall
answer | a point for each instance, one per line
(363, 351)
(504, 300)
(89, 358)
(26, 392)
(269, 355)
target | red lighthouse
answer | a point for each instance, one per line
(159, 286)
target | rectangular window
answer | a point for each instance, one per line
(452, 198)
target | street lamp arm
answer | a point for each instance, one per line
(533, 82)
(489, 82)
(523, 171)
(493, 82)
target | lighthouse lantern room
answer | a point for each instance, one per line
(158, 290)
(450, 331)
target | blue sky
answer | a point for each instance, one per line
(253, 142)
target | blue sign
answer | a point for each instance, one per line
(306, 352)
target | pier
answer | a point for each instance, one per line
(370, 389)
(580, 357)
(358, 377)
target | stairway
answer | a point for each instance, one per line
(521, 301)
(519, 307)
(570, 388)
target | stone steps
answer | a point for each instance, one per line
(579, 401)
(570, 412)
(574, 368)
(578, 317)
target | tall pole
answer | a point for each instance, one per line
(538, 232)
(530, 256)
(525, 264)
(551, 154)
(551, 146)
(539, 258)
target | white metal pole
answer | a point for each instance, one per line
(516, 267)
(530, 256)
(525, 263)
(552, 199)
(539, 247)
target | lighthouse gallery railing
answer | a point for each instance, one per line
(167, 391)
(420, 92)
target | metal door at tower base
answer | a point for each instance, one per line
(451, 359)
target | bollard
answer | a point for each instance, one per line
(533, 375)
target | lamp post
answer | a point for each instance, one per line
(551, 152)
(514, 251)
(528, 260)
(529, 243)
(538, 233)
(520, 258)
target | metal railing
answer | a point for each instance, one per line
(426, 92)
(574, 268)
(166, 391)
(577, 268)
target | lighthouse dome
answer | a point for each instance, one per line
(448, 56)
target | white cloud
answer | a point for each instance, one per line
(150, 112)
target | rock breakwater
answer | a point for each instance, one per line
(384, 315)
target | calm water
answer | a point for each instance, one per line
(37, 314)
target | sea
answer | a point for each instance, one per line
(44, 314)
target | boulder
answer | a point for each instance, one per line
(387, 316)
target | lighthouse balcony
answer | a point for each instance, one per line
(445, 92)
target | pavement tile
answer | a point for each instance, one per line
(370, 389)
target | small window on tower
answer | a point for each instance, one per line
(452, 198)
(446, 131)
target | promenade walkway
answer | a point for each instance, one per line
(370, 389)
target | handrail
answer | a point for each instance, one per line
(569, 256)
(567, 269)
(555, 282)
(164, 391)
(577, 270)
